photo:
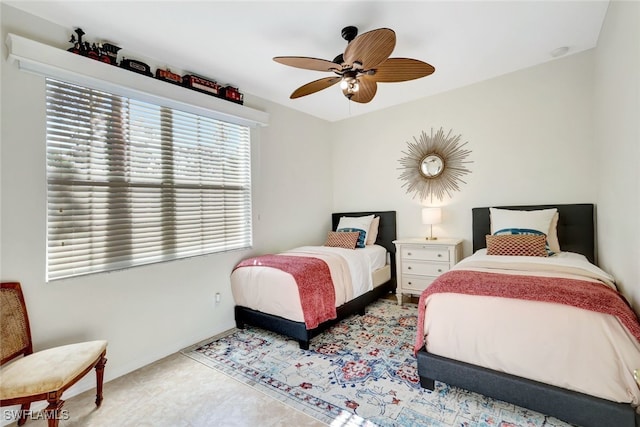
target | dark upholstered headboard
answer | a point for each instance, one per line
(386, 231)
(576, 227)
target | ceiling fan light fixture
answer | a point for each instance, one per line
(349, 85)
(350, 90)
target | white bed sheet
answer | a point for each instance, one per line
(569, 347)
(377, 255)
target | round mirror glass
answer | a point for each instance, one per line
(431, 165)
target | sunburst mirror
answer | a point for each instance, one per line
(433, 165)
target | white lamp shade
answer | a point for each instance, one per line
(431, 215)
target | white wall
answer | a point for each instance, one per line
(532, 139)
(530, 133)
(146, 312)
(617, 113)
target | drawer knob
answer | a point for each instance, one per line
(409, 253)
(439, 255)
(409, 268)
(439, 270)
(409, 283)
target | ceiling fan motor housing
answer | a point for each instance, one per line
(349, 33)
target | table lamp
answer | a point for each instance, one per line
(431, 216)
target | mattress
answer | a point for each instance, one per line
(272, 291)
(562, 345)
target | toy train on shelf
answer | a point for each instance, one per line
(107, 53)
(104, 52)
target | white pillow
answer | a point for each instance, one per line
(542, 220)
(360, 224)
(552, 237)
(539, 220)
(372, 234)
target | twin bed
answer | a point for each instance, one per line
(548, 333)
(268, 297)
(563, 342)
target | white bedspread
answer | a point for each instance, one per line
(273, 291)
(569, 347)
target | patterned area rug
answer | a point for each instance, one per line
(360, 372)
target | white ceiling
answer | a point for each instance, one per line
(234, 42)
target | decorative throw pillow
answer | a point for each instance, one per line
(525, 231)
(552, 235)
(517, 245)
(360, 224)
(372, 235)
(342, 239)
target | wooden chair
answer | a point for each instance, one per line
(43, 375)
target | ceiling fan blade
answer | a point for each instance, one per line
(401, 69)
(371, 48)
(315, 86)
(367, 89)
(308, 63)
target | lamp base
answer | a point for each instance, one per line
(431, 233)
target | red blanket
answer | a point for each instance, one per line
(577, 293)
(312, 275)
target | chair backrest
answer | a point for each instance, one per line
(15, 334)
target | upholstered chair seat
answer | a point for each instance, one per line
(26, 376)
(48, 370)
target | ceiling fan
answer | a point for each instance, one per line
(364, 63)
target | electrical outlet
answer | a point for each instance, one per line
(217, 297)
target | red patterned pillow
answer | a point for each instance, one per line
(517, 245)
(342, 239)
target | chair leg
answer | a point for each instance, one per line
(100, 379)
(52, 412)
(24, 410)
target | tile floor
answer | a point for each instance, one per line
(173, 392)
(178, 392)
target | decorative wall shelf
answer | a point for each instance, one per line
(57, 63)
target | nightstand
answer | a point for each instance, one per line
(420, 261)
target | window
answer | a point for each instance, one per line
(132, 183)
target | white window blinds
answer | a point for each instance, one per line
(131, 183)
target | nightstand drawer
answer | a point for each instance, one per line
(416, 284)
(424, 268)
(425, 253)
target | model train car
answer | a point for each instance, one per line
(104, 52)
(168, 76)
(136, 66)
(232, 94)
(202, 85)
